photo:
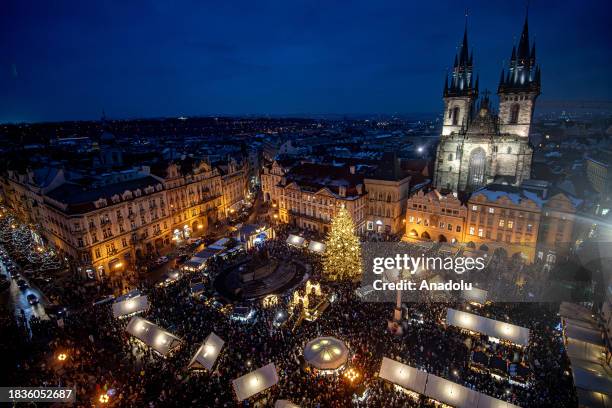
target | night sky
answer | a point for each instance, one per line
(65, 60)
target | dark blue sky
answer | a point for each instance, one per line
(70, 59)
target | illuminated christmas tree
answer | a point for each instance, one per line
(342, 258)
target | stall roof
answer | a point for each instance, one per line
(593, 399)
(403, 375)
(220, 244)
(575, 311)
(450, 393)
(295, 240)
(152, 335)
(580, 332)
(285, 404)
(207, 353)
(255, 382)
(130, 306)
(437, 388)
(578, 350)
(593, 377)
(326, 353)
(501, 330)
(475, 295)
(315, 246)
(207, 253)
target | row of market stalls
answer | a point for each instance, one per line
(247, 237)
(301, 242)
(437, 388)
(495, 329)
(589, 356)
(199, 261)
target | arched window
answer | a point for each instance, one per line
(476, 169)
(455, 116)
(514, 113)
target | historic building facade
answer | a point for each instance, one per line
(477, 146)
(435, 216)
(513, 220)
(306, 194)
(107, 225)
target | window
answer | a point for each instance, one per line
(458, 228)
(501, 223)
(97, 253)
(474, 208)
(450, 157)
(491, 210)
(411, 219)
(529, 228)
(450, 227)
(124, 242)
(514, 114)
(510, 224)
(442, 225)
(455, 116)
(509, 150)
(480, 232)
(472, 230)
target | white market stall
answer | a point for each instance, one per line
(403, 375)
(255, 382)
(317, 247)
(326, 353)
(153, 336)
(514, 334)
(296, 240)
(475, 295)
(285, 404)
(450, 393)
(219, 245)
(207, 354)
(436, 388)
(130, 306)
(195, 264)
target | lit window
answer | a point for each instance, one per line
(480, 232)
(501, 223)
(411, 219)
(510, 224)
(491, 210)
(474, 208)
(471, 230)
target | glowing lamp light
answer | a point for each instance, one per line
(103, 399)
(208, 349)
(326, 356)
(254, 381)
(351, 374)
(118, 265)
(62, 357)
(200, 226)
(131, 304)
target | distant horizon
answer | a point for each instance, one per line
(70, 60)
(306, 115)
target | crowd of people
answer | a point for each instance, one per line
(102, 359)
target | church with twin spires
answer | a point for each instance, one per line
(479, 146)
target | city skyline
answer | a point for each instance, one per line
(279, 60)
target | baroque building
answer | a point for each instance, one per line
(107, 223)
(479, 146)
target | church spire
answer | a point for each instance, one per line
(461, 82)
(522, 69)
(464, 56)
(523, 47)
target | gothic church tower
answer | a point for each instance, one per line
(477, 146)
